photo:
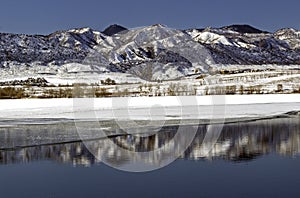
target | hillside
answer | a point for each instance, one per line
(150, 53)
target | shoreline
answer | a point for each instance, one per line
(32, 135)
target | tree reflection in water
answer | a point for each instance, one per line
(238, 142)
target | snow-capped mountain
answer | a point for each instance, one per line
(153, 52)
(235, 46)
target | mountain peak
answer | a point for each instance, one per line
(81, 30)
(114, 29)
(286, 30)
(242, 28)
(158, 25)
(287, 33)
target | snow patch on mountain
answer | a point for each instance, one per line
(291, 36)
(210, 38)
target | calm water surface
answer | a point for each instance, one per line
(250, 159)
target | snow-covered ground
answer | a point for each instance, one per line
(230, 79)
(149, 108)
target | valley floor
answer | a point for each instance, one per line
(223, 80)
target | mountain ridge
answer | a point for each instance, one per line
(157, 49)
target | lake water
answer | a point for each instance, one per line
(250, 159)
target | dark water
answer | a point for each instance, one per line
(250, 159)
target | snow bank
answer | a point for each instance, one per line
(154, 108)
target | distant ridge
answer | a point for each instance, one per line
(114, 29)
(244, 29)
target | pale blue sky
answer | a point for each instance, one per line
(43, 17)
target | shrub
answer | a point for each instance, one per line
(11, 93)
(108, 81)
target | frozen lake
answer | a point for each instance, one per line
(240, 146)
(43, 111)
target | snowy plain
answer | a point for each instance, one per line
(149, 108)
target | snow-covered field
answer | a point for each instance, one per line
(225, 81)
(148, 108)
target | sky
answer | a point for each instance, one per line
(44, 17)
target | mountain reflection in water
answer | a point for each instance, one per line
(237, 142)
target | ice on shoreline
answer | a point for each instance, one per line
(150, 108)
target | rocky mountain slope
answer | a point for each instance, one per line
(153, 52)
